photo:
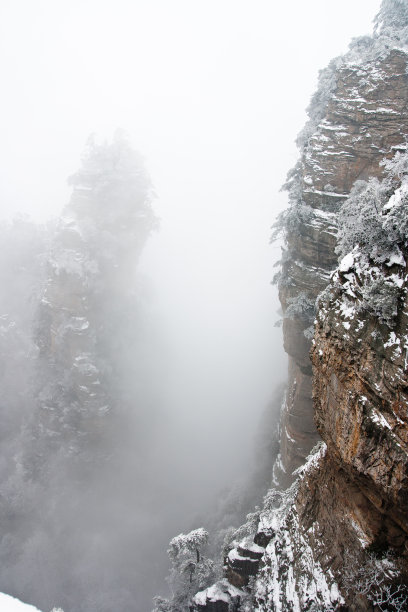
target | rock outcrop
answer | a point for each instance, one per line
(350, 510)
(361, 397)
(243, 562)
(365, 120)
(337, 538)
(220, 597)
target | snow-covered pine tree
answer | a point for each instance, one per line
(373, 231)
(191, 571)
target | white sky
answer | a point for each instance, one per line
(213, 94)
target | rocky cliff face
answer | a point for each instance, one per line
(365, 117)
(337, 538)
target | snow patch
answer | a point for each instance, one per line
(347, 310)
(10, 604)
(378, 418)
(396, 259)
(313, 460)
(346, 263)
(220, 591)
(392, 340)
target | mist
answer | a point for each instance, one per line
(180, 309)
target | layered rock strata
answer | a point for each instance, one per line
(352, 504)
(364, 119)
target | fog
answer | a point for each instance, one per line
(212, 95)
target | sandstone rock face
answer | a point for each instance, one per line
(364, 120)
(361, 400)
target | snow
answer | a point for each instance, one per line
(325, 215)
(397, 280)
(398, 197)
(215, 593)
(396, 259)
(278, 466)
(322, 272)
(335, 593)
(255, 548)
(10, 604)
(323, 220)
(291, 578)
(347, 310)
(345, 153)
(381, 109)
(234, 555)
(288, 436)
(325, 125)
(351, 293)
(220, 591)
(378, 418)
(268, 522)
(200, 598)
(331, 194)
(392, 340)
(355, 99)
(313, 460)
(346, 263)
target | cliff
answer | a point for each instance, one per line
(336, 539)
(85, 305)
(365, 117)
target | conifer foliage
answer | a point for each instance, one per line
(373, 229)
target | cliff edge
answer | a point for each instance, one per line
(333, 531)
